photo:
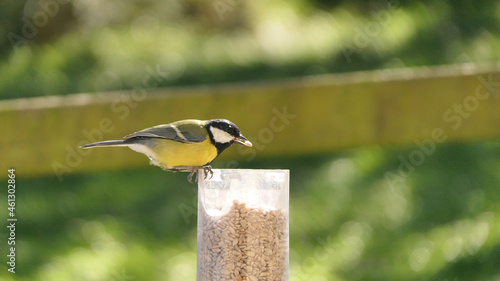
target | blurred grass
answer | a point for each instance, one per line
(347, 221)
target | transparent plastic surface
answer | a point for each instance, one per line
(243, 225)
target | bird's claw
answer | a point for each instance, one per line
(206, 170)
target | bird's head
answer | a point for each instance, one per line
(223, 133)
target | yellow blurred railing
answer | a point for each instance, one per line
(40, 136)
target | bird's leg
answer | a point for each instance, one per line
(194, 170)
(190, 177)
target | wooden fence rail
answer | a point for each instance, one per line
(40, 136)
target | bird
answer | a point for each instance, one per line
(182, 146)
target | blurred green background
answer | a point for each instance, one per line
(350, 219)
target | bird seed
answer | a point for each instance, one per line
(245, 244)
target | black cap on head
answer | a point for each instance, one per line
(226, 126)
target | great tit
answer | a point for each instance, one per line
(186, 145)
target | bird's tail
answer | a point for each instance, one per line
(105, 143)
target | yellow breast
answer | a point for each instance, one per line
(171, 154)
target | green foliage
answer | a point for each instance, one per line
(56, 47)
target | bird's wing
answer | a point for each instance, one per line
(181, 131)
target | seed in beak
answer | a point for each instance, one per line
(243, 141)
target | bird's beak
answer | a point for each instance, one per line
(242, 140)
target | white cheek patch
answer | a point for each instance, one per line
(221, 136)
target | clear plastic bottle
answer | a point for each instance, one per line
(243, 225)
